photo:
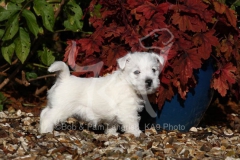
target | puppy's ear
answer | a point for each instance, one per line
(122, 61)
(160, 58)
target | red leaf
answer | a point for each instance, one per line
(107, 13)
(148, 9)
(228, 71)
(227, 47)
(172, 53)
(135, 3)
(219, 7)
(90, 45)
(223, 77)
(163, 8)
(146, 26)
(208, 16)
(114, 30)
(112, 52)
(158, 21)
(231, 16)
(131, 38)
(196, 7)
(184, 65)
(236, 49)
(186, 22)
(71, 53)
(96, 22)
(205, 41)
(137, 47)
(182, 89)
(193, 6)
(220, 85)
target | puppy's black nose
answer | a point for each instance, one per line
(148, 82)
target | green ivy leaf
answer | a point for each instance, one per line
(12, 27)
(31, 75)
(46, 56)
(23, 44)
(8, 51)
(45, 10)
(8, 11)
(74, 14)
(31, 21)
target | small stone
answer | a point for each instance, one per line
(11, 110)
(172, 133)
(29, 114)
(3, 115)
(151, 131)
(225, 142)
(193, 129)
(228, 132)
(168, 150)
(206, 147)
(19, 112)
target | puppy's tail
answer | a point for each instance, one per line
(61, 67)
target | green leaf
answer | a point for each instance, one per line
(17, 1)
(74, 14)
(12, 27)
(23, 44)
(1, 107)
(2, 97)
(46, 56)
(76, 27)
(31, 21)
(45, 10)
(233, 7)
(236, 3)
(8, 11)
(8, 51)
(96, 11)
(1, 33)
(31, 75)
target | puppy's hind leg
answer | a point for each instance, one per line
(48, 119)
(45, 124)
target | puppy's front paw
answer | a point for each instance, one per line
(111, 131)
(137, 133)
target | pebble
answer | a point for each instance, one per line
(193, 129)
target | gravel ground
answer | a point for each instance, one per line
(19, 139)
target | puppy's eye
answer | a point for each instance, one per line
(154, 70)
(136, 72)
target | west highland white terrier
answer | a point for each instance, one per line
(114, 99)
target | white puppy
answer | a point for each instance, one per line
(114, 99)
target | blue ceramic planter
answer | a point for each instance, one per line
(182, 115)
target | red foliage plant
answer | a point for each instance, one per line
(201, 29)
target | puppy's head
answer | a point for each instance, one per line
(141, 70)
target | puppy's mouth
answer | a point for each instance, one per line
(150, 90)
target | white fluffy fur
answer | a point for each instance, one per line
(115, 99)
